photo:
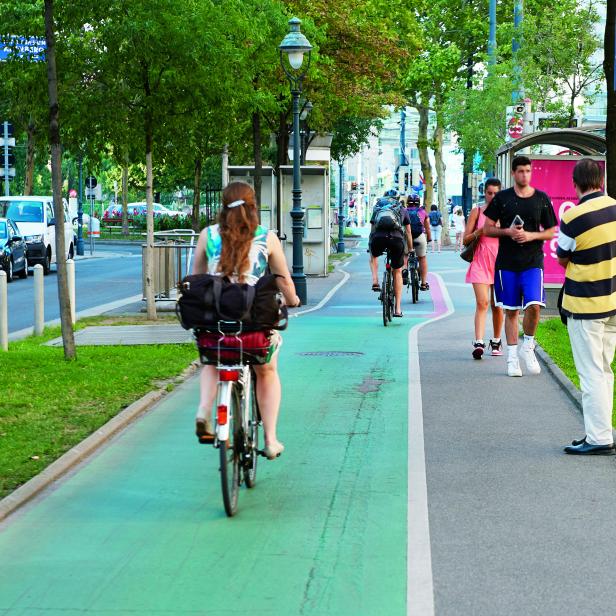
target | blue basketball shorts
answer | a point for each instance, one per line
(517, 290)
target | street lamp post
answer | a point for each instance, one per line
(340, 247)
(294, 46)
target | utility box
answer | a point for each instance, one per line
(316, 206)
(268, 191)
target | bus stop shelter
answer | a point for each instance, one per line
(578, 142)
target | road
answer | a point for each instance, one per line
(113, 273)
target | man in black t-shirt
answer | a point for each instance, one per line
(526, 220)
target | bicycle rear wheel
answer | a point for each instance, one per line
(230, 456)
(252, 438)
(385, 299)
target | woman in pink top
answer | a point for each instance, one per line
(481, 274)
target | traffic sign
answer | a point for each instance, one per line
(30, 48)
(91, 182)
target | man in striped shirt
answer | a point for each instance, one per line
(587, 248)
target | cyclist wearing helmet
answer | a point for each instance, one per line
(390, 230)
(419, 218)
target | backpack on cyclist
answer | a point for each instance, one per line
(435, 218)
(205, 300)
(417, 227)
(387, 216)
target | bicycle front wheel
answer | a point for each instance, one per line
(391, 295)
(415, 285)
(252, 438)
(230, 456)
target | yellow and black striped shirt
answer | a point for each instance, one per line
(587, 237)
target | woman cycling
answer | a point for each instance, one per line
(241, 249)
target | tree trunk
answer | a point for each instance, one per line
(68, 338)
(149, 197)
(424, 159)
(225, 166)
(282, 141)
(610, 128)
(125, 196)
(440, 175)
(197, 195)
(30, 155)
(256, 145)
(571, 118)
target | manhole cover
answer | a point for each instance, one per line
(331, 353)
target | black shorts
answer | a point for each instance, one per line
(393, 244)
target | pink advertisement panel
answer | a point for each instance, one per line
(554, 177)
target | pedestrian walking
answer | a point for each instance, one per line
(459, 225)
(481, 274)
(585, 249)
(436, 226)
(527, 220)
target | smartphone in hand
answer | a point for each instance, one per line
(517, 223)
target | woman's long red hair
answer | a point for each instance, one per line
(237, 229)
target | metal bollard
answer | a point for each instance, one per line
(39, 301)
(4, 313)
(70, 274)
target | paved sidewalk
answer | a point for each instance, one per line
(517, 526)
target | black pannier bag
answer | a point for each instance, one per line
(205, 300)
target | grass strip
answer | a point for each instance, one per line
(337, 257)
(49, 405)
(553, 337)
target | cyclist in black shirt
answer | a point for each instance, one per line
(527, 220)
(393, 235)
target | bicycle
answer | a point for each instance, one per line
(413, 275)
(237, 419)
(387, 292)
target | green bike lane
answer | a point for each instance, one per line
(140, 528)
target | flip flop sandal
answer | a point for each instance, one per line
(203, 435)
(398, 314)
(376, 287)
(424, 287)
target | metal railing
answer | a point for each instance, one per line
(173, 255)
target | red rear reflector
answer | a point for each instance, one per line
(221, 416)
(228, 375)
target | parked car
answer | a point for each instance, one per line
(139, 208)
(12, 250)
(34, 217)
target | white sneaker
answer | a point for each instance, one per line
(527, 353)
(513, 367)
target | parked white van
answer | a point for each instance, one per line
(36, 223)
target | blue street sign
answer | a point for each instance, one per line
(30, 48)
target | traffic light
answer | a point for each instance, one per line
(353, 185)
(407, 181)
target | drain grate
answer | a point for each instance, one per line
(331, 354)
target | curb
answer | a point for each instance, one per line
(57, 469)
(561, 378)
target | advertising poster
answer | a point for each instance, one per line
(554, 176)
